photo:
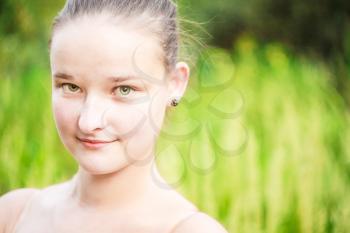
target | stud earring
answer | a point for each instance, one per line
(174, 102)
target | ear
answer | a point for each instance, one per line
(178, 81)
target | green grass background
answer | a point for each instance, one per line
(269, 149)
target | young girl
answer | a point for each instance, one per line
(114, 76)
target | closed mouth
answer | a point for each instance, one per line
(94, 141)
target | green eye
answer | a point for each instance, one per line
(124, 90)
(69, 87)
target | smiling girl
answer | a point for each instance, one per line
(114, 75)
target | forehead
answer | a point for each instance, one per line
(93, 46)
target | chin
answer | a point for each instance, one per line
(98, 172)
(97, 164)
(93, 170)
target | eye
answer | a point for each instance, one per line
(70, 87)
(124, 90)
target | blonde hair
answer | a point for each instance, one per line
(162, 14)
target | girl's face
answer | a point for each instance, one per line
(109, 93)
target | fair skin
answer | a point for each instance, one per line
(115, 183)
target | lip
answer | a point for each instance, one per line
(95, 144)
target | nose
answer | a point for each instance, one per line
(91, 116)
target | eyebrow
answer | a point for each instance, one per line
(116, 79)
(63, 76)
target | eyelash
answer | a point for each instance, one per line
(61, 85)
(130, 87)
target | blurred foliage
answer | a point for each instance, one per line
(273, 156)
(269, 147)
(320, 29)
(306, 24)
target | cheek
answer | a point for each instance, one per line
(65, 114)
(128, 120)
(157, 111)
(137, 125)
(141, 144)
(124, 120)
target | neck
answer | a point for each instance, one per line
(125, 188)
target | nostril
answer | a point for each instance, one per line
(90, 120)
(90, 124)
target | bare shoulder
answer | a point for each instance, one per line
(188, 218)
(200, 223)
(11, 205)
